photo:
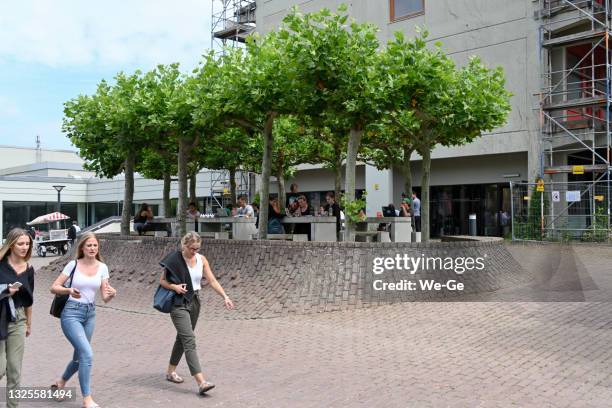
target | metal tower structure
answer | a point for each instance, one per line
(233, 21)
(575, 111)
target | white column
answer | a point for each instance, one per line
(82, 214)
(379, 187)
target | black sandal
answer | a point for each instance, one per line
(205, 387)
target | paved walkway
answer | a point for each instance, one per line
(463, 354)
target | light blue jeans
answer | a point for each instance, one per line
(78, 321)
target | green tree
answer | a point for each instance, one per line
(294, 144)
(114, 131)
(169, 116)
(232, 149)
(390, 142)
(160, 165)
(252, 90)
(345, 72)
(446, 105)
(330, 134)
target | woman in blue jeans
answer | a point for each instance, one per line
(79, 314)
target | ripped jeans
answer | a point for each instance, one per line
(78, 321)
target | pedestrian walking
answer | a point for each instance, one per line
(16, 298)
(73, 231)
(183, 272)
(89, 274)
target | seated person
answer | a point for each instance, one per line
(303, 209)
(244, 210)
(142, 222)
(274, 217)
(193, 214)
(293, 209)
(192, 211)
(333, 209)
(404, 210)
(143, 215)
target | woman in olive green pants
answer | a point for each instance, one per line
(16, 298)
(183, 273)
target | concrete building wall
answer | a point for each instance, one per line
(322, 180)
(19, 156)
(478, 170)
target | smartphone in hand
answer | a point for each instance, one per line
(15, 285)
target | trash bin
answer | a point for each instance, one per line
(472, 225)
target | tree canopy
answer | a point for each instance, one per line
(319, 89)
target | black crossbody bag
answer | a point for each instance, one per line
(59, 301)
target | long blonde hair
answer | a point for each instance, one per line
(81, 243)
(11, 240)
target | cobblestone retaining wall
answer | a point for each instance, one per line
(276, 278)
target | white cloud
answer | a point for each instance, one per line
(74, 33)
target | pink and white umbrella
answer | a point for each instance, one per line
(47, 218)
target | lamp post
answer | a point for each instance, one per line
(59, 200)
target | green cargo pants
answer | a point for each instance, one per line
(11, 354)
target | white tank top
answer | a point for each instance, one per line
(87, 285)
(196, 272)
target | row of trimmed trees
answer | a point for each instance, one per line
(317, 90)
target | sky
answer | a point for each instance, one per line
(52, 51)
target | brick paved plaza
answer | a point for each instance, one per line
(493, 353)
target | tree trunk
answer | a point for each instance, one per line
(128, 194)
(407, 172)
(193, 198)
(185, 146)
(426, 153)
(232, 181)
(354, 141)
(166, 197)
(279, 165)
(338, 172)
(266, 170)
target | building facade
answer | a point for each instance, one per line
(28, 177)
(473, 178)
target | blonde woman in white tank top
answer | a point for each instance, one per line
(183, 273)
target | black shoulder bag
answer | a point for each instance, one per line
(59, 301)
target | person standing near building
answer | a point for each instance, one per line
(416, 212)
(183, 272)
(89, 274)
(194, 214)
(16, 299)
(333, 210)
(73, 231)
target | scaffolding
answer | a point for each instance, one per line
(220, 188)
(233, 21)
(575, 109)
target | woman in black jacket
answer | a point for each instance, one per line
(16, 298)
(183, 272)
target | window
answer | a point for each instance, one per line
(406, 8)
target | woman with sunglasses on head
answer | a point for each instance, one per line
(183, 272)
(16, 298)
(79, 314)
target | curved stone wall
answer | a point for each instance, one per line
(276, 278)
